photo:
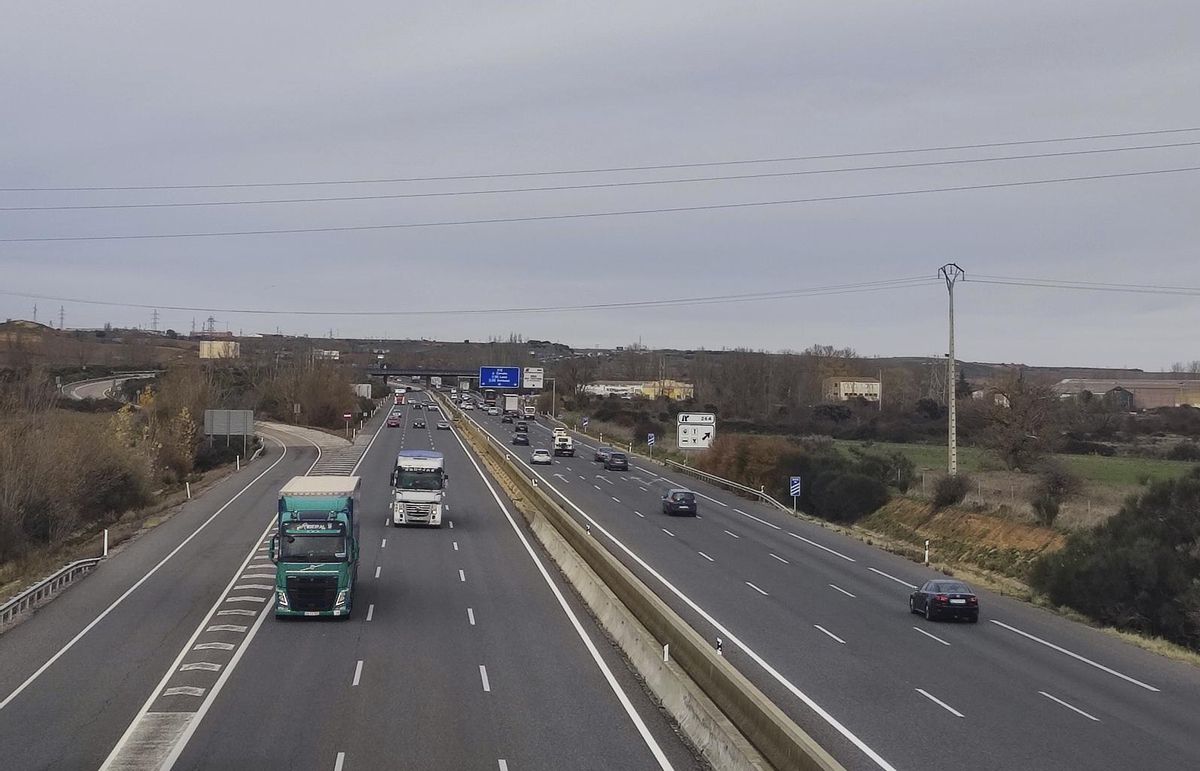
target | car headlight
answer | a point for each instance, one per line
(282, 595)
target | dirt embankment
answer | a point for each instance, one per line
(958, 535)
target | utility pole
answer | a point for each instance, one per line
(35, 313)
(951, 273)
(154, 320)
(61, 313)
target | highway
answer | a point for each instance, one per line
(820, 622)
(100, 388)
(465, 649)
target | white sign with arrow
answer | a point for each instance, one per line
(693, 437)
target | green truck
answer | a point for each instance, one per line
(315, 546)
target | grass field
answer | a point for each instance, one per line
(1112, 472)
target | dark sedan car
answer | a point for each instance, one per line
(521, 439)
(506, 418)
(419, 423)
(679, 501)
(617, 461)
(522, 426)
(602, 454)
(943, 598)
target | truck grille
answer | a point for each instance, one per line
(418, 512)
(309, 593)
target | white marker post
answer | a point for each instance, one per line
(105, 554)
(189, 490)
(666, 653)
(926, 552)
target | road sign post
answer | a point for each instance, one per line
(348, 416)
(650, 445)
(794, 487)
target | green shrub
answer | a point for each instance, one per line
(1139, 570)
(950, 490)
(847, 497)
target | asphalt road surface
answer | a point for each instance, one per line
(821, 623)
(465, 649)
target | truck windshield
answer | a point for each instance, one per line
(303, 547)
(418, 480)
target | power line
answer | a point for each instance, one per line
(1088, 286)
(610, 169)
(836, 289)
(587, 215)
(598, 185)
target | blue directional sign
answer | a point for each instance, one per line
(650, 439)
(499, 377)
(795, 487)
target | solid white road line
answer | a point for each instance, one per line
(718, 626)
(705, 556)
(756, 519)
(462, 576)
(471, 616)
(714, 500)
(339, 762)
(1068, 706)
(487, 687)
(370, 611)
(357, 672)
(831, 634)
(840, 589)
(622, 697)
(897, 580)
(103, 614)
(668, 532)
(931, 636)
(755, 588)
(1075, 656)
(825, 548)
(781, 559)
(735, 535)
(939, 702)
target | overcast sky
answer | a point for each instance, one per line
(154, 93)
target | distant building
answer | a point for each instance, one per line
(843, 389)
(649, 389)
(326, 355)
(995, 397)
(1133, 393)
(220, 349)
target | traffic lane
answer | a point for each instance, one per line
(1077, 637)
(690, 571)
(112, 668)
(903, 648)
(292, 702)
(512, 589)
(600, 503)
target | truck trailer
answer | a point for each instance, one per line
(419, 488)
(315, 546)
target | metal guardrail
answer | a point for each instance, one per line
(723, 482)
(45, 589)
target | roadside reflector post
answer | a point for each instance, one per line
(720, 647)
(105, 554)
(189, 489)
(666, 653)
(238, 460)
(926, 552)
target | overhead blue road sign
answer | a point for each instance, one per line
(499, 377)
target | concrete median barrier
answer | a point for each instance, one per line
(725, 715)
